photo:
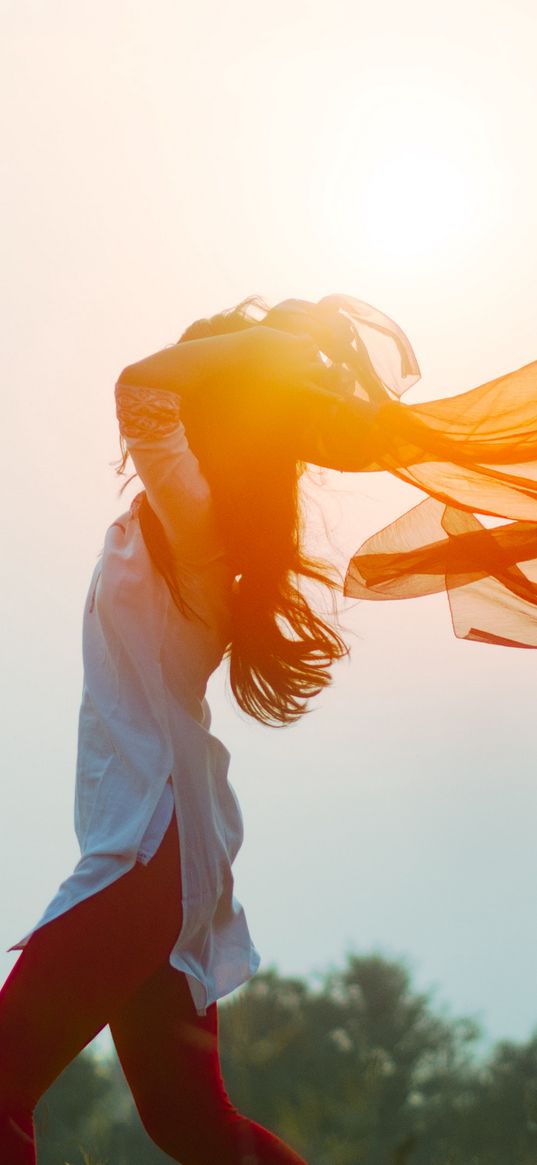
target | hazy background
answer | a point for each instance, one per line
(159, 162)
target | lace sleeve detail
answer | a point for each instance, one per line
(146, 411)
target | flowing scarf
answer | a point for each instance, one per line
(472, 454)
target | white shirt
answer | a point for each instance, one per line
(144, 745)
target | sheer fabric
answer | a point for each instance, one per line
(473, 454)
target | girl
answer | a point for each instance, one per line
(146, 934)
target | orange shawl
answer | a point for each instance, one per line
(474, 453)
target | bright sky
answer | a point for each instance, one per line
(160, 162)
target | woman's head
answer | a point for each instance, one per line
(250, 430)
(280, 651)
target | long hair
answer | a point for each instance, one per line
(280, 650)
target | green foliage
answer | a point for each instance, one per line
(351, 1073)
(358, 1071)
(88, 1117)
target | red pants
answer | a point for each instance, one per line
(106, 961)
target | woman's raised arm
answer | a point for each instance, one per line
(263, 377)
(183, 368)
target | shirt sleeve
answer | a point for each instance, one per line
(151, 426)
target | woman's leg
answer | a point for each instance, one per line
(170, 1057)
(72, 976)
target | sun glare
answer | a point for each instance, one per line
(413, 174)
(417, 200)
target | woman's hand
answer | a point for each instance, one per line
(284, 358)
(285, 395)
(286, 368)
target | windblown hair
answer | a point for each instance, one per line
(280, 650)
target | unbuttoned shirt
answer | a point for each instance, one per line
(145, 748)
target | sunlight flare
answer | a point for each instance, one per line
(413, 175)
